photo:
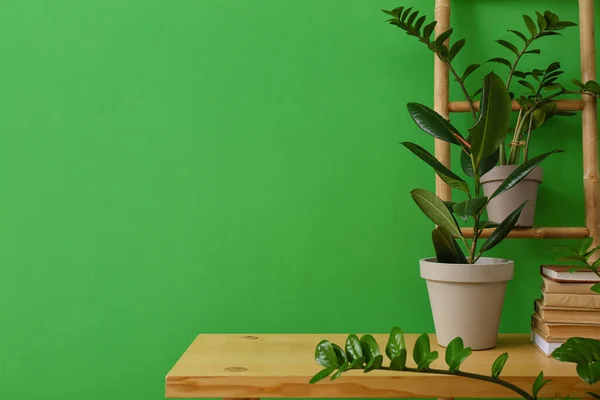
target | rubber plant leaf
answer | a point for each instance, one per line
(435, 210)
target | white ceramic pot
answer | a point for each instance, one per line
(466, 299)
(501, 206)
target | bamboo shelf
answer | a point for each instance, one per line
(587, 106)
(280, 366)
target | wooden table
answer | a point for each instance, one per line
(271, 366)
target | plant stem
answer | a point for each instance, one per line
(469, 375)
(514, 66)
(464, 89)
(526, 151)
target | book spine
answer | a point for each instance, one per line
(572, 300)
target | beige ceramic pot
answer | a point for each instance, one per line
(466, 299)
(501, 206)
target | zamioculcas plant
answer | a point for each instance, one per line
(582, 256)
(364, 354)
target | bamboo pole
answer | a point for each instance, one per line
(563, 105)
(536, 233)
(589, 118)
(440, 96)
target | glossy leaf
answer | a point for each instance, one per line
(435, 210)
(446, 248)
(548, 33)
(538, 384)
(578, 83)
(475, 93)
(519, 34)
(501, 60)
(398, 363)
(565, 24)
(527, 85)
(521, 172)
(470, 207)
(456, 354)
(594, 395)
(469, 70)
(405, 13)
(502, 230)
(542, 23)
(498, 365)
(322, 374)
(589, 372)
(353, 348)
(375, 363)
(443, 37)
(485, 165)
(456, 47)
(395, 343)
(343, 368)
(596, 288)
(412, 18)
(562, 248)
(533, 51)
(489, 131)
(553, 67)
(509, 46)
(585, 245)
(419, 23)
(370, 348)
(530, 25)
(325, 355)
(433, 123)
(444, 173)
(575, 257)
(428, 29)
(422, 353)
(339, 353)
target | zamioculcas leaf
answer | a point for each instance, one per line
(521, 172)
(325, 355)
(527, 85)
(422, 353)
(594, 395)
(498, 365)
(578, 83)
(469, 70)
(411, 18)
(429, 29)
(419, 23)
(456, 354)
(398, 363)
(339, 353)
(575, 257)
(395, 343)
(444, 173)
(324, 373)
(501, 60)
(470, 207)
(538, 384)
(435, 210)
(509, 46)
(553, 67)
(475, 93)
(433, 123)
(596, 288)
(443, 37)
(548, 33)
(489, 131)
(585, 245)
(371, 352)
(533, 51)
(446, 248)
(519, 34)
(405, 13)
(562, 248)
(542, 23)
(343, 368)
(530, 24)
(353, 348)
(456, 47)
(502, 230)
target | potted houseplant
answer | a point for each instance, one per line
(537, 104)
(466, 290)
(364, 354)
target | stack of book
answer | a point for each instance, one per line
(568, 308)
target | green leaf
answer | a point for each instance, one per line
(339, 353)
(592, 86)
(484, 166)
(594, 395)
(487, 224)
(395, 343)
(343, 368)
(469, 70)
(443, 172)
(353, 348)
(475, 93)
(398, 363)
(422, 353)
(538, 384)
(527, 85)
(565, 24)
(520, 74)
(589, 372)
(553, 67)
(578, 83)
(325, 355)
(530, 24)
(500, 60)
(470, 207)
(596, 288)
(324, 373)
(439, 41)
(562, 248)
(502, 230)
(446, 248)
(533, 51)
(405, 13)
(542, 23)
(428, 30)
(519, 34)
(411, 18)
(435, 210)
(585, 245)
(498, 365)
(575, 257)
(419, 23)
(456, 354)
(491, 127)
(456, 47)
(509, 46)
(548, 33)
(433, 123)
(370, 348)
(375, 363)
(521, 172)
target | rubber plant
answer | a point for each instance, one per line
(479, 150)
(582, 256)
(541, 85)
(364, 354)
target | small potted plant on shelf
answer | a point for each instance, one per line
(583, 257)
(466, 290)
(537, 104)
(364, 354)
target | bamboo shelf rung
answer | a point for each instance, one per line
(537, 233)
(563, 105)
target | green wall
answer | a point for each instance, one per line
(169, 168)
